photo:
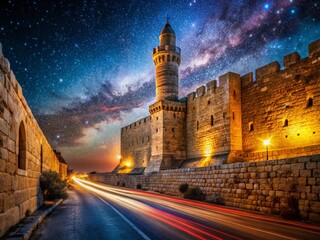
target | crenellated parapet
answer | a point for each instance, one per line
(167, 106)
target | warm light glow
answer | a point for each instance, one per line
(266, 142)
(119, 157)
(128, 164)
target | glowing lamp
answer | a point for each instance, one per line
(266, 143)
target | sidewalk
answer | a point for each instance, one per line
(25, 228)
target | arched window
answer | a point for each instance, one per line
(310, 102)
(212, 120)
(197, 125)
(285, 123)
(251, 128)
(22, 147)
(232, 115)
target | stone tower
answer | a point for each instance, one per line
(167, 113)
(166, 57)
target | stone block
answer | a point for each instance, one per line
(267, 70)
(315, 206)
(297, 166)
(314, 48)
(311, 165)
(249, 186)
(291, 59)
(305, 173)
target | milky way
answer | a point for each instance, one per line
(86, 66)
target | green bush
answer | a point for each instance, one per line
(194, 193)
(183, 187)
(53, 187)
(139, 186)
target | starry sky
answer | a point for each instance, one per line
(86, 67)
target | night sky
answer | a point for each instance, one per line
(86, 67)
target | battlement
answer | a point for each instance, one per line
(289, 61)
(136, 123)
(212, 87)
(168, 106)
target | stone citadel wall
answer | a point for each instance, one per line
(136, 144)
(227, 122)
(264, 186)
(20, 138)
(283, 104)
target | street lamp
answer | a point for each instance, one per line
(266, 143)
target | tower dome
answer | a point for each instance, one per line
(167, 29)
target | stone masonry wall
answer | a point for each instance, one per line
(264, 186)
(136, 143)
(278, 105)
(19, 187)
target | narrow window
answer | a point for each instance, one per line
(145, 120)
(148, 138)
(142, 140)
(233, 115)
(285, 123)
(209, 102)
(234, 93)
(197, 125)
(156, 129)
(22, 148)
(251, 128)
(212, 120)
(174, 115)
(172, 129)
(310, 102)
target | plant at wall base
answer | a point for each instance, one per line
(183, 187)
(292, 210)
(139, 186)
(53, 187)
(194, 193)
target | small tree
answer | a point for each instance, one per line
(53, 187)
(183, 187)
(194, 193)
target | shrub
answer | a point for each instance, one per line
(138, 186)
(194, 193)
(183, 187)
(292, 211)
(53, 186)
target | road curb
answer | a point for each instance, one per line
(24, 232)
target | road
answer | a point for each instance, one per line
(98, 211)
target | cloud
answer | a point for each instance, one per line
(65, 127)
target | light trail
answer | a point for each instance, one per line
(188, 217)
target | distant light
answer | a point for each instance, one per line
(119, 157)
(128, 164)
(266, 142)
(60, 80)
(266, 6)
(293, 11)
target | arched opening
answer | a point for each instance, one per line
(251, 128)
(22, 147)
(212, 120)
(285, 123)
(197, 125)
(310, 102)
(232, 115)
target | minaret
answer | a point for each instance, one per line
(166, 57)
(167, 114)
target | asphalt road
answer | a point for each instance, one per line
(98, 211)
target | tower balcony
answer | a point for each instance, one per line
(164, 48)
